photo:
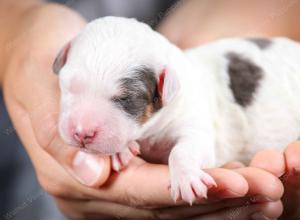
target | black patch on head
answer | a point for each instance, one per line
(140, 95)
(244, 78)
(262, 43)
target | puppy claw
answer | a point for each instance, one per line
(190, 188)
(134, 148)
(120, 160)
(209, 181)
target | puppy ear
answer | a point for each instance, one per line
(61, 58)
(168, 85)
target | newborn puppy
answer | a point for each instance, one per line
(123, 83)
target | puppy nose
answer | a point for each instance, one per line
(85, 137)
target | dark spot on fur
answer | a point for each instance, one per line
(140, 97)
(262, 43)
(244, 78)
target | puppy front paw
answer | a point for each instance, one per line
(190, 185)
(120, 160)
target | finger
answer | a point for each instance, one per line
(183, 212)
(230, 184)
(95, 209)
(144, 184)
(233, 165)
(262, 184)
(265, 211)
(271, 161)
(91, 170)
(292, 155)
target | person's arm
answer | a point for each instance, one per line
(32, 38)
(192, 22)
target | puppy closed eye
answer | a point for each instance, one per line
(133, 100)
(133, 104)
(121, 99)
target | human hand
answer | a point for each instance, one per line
(287, 164)
(139, 192)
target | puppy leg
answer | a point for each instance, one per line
(188, 181)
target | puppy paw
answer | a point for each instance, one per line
(121, 159)
(191, 186)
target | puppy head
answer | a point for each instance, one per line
(114, 77)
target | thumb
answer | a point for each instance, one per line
(89, 169)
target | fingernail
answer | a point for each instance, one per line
(259, 216)
(87, 168)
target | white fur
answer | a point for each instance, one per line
(200, 117)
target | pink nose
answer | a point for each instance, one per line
(85, 137)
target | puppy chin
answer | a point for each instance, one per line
(108, 149)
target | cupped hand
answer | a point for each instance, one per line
(286, 164)
(141, 191)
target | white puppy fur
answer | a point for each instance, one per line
(201, 123)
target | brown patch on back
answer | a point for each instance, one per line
(244, 78)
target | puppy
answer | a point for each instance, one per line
(124, 85)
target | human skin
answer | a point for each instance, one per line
(289, 162)
(30, 40)
(192, 22)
